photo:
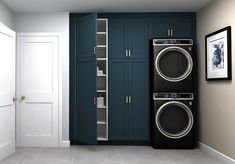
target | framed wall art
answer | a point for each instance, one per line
(218, 55)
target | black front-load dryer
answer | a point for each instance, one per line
(172, 124)
(172, 65)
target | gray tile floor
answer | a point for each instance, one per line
(108, 155)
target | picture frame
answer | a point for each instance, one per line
(218, 55)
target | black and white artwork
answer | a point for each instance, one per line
(218, 55)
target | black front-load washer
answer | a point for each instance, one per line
(172, 121)
(172, 65)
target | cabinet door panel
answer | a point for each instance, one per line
(118, 111)
(182, 28)
(86, 120)
(117, 38)
(138, 38)
(159, 28)
(139, 106)
(83, 79)
(86, 35)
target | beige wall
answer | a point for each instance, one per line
(216, 99)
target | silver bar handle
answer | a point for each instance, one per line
(169, 32)
(129, 52)
(172, 32)
(94, 49)
(126, 52)
(94, 101)
(126, 99)
(130, 99)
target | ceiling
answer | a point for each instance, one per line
(106, 5)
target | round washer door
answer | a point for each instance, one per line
(174, 119)
(174, 64)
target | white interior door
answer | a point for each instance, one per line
(7, 91)
(38, 90)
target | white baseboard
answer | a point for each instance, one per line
(6, 150)
(216, 154)
(64, 143)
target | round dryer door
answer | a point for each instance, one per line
(174, 119)
(174, 64)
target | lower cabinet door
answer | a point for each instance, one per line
(139, 102)
(118, 108)
(86, 122)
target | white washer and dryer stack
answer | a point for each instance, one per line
(172, 118)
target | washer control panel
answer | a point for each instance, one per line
(173, 96)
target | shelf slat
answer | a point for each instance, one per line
(102, 59)
(102, 138)
(101, 46)
(101, 107)
(101, 122)
(101, 75)
(101, 33)
(101, 90)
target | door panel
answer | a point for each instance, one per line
(86, 35)
(83, 79)
(117, 38)
(118, 109)
(139, 106)
(182, 28)
(7, 91)
(159, 28)
(86, 120)
(138, 38)
(38, 73)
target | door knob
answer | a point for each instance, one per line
(22, 97)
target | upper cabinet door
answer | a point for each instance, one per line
(182, 28)
(138, 38)
(86, 35)
(159, 28)
(117, 38)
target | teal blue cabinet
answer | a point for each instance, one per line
(139, 102)
(83, 122)
(129, 100)
(159, 28)
(168, 26)
(85, 109)
(118, 108)
(182, 28)
(128, 38)
(117, 38)
(128, 80)
(138, 38)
